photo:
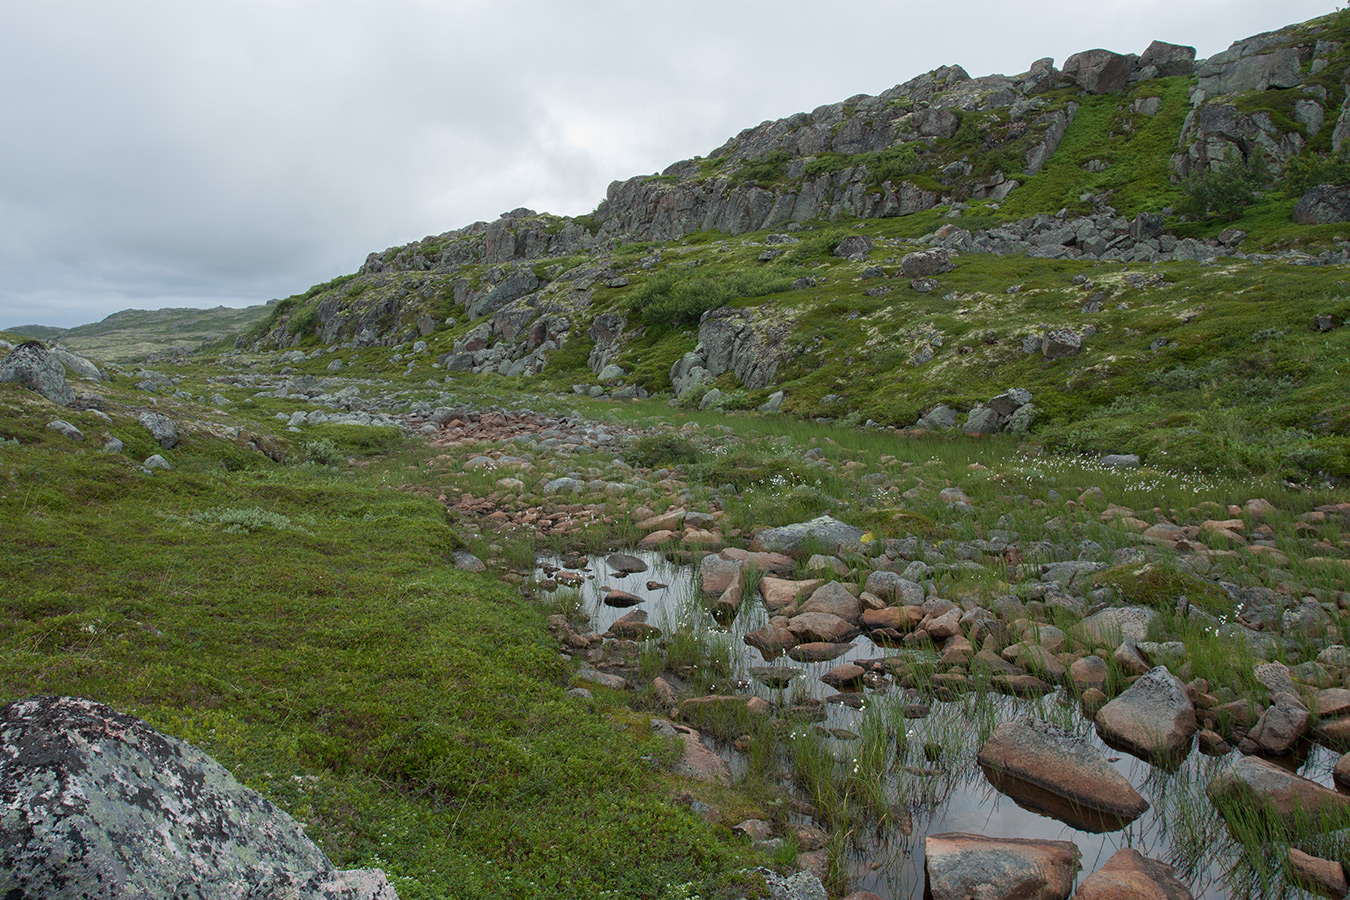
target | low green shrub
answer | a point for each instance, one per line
(322, 451)
(1301, 173)
(663, 449)
(1224, 192)
(677, 297)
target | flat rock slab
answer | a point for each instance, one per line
(1153, 718)
(1129, 876)
(604, 679)
(99, 805)
(773, 563)
(1333, 703)
(699, 761)
(1084, 790)
(779, 593)
(1250, 783)
(1124, 623)
(974, 867)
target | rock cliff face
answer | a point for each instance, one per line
(833, 161)
(1218, 127)
(527, 282)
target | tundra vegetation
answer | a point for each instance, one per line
(1061, 352)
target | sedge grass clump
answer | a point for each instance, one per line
(662, 449)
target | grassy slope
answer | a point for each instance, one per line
(36, 332)
(330, 655)
(133, 334)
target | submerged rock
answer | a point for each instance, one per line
(100, 805)
(1127, 874)
(625, 562)
(1250, 784)
(964, 866)
(1054, 771)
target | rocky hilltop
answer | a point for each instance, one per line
(1094, 161)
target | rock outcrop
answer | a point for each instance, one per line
(100, 806)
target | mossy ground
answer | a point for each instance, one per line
(304, 625)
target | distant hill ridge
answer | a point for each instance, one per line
(133, 334)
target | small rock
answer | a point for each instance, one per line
(63, 427)
(467, 562)
(1322, 876)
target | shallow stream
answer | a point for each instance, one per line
(950, 792)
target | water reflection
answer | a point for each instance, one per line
(954, 793)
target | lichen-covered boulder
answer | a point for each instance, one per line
(1153, 719)
(96, 804)
(31, 365)
(161, 428)
(1322, 205)
(825, 532)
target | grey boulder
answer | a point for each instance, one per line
(100, 806)
(33, 367)
(855, 247)
(78, 365)
(161, 428)
(825, 533)
(1323, 205)
(61, 426)
(926, 263)
(1153, 719)
(1099, 71)
(1168, 59)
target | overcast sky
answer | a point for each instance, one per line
(192, 154)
